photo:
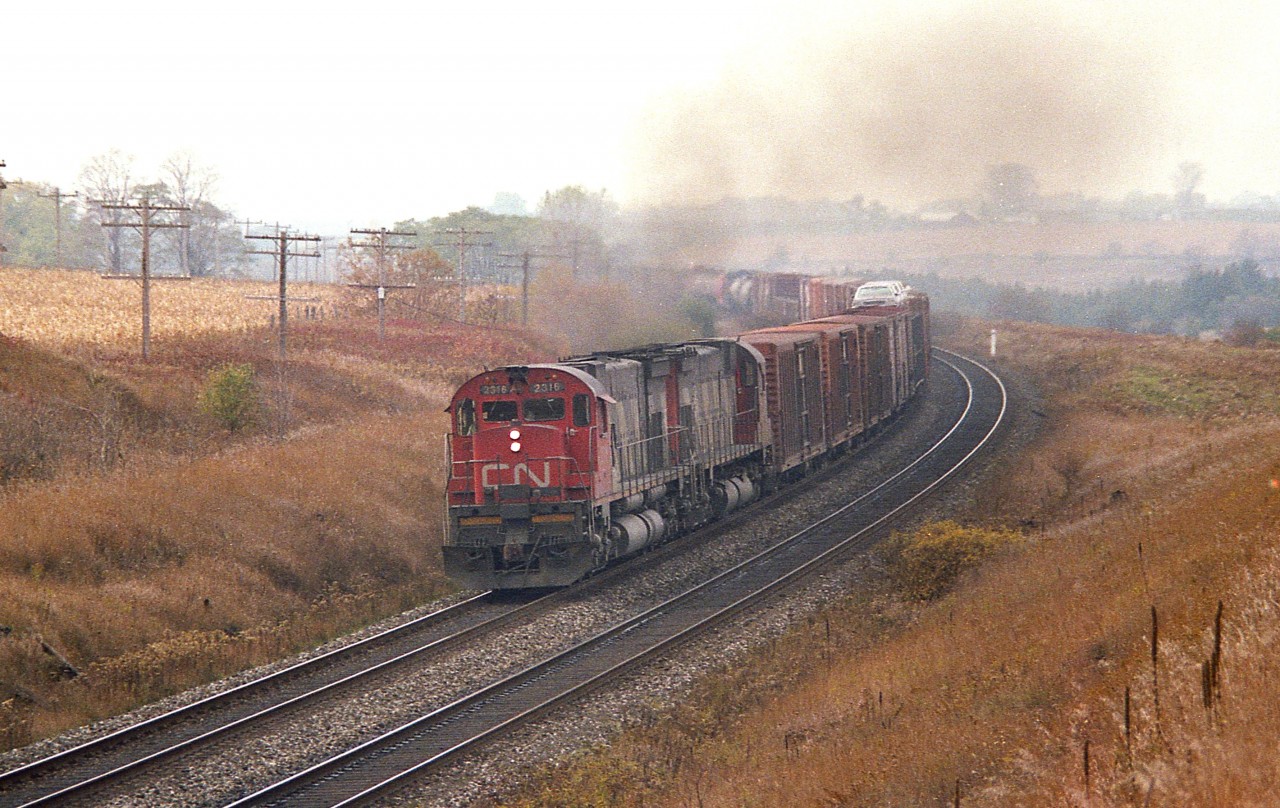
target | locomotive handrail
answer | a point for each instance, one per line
(637, 474)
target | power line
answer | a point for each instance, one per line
(57, 196)
(461, 245)
(525, 257)
(380, 243)
(144, 226)
(282, 254)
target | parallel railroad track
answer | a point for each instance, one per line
(374, 769)
(80, 774)
(81, 770)
(84, 774)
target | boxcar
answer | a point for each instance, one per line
(793, 391)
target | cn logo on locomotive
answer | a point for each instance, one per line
(534, 480)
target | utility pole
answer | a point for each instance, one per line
(281, 252)
(379, 241)
(57, 196)
(3, 185)
(525, 258)
(461, 244)
(282, 241)
(145, 224)
(574, 243)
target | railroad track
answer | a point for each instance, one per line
(84, 769)
(86, 774)
(385, 764)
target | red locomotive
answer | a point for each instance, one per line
(558, 469)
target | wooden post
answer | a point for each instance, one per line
(282, 254)
(461, 245)
(144, 225)
(57, 196)
(381, 245)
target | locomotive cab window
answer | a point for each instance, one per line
(581, 409)
(498, 411)
(465, 417)
(543, 409)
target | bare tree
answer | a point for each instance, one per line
(191, 185)
(109, 178)
(578, 221)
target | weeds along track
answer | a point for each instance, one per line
(434, 678)
(80, 772)
(384, 764)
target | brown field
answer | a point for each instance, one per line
(154, 550)
(1154, 483)
(62, 309)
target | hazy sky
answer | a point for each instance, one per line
(326, 116)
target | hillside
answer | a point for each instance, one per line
(154, 536)
(1084, 663)
(145, 547)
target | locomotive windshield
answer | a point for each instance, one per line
(543, 409)
(466, 417)
(498, 411)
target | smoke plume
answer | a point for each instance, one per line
(918, 113)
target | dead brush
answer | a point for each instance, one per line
(1001, 679)
(157, 582)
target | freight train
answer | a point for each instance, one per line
(556, 470)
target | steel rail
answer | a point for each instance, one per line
(346, 765)
(52, 770)
(66, 787)
(43, 767)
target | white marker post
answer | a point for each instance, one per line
(993, 343)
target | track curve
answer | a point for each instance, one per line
(372, 770)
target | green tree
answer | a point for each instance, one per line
(230, 396)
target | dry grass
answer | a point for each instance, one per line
(66, 310)
(231, 559)
(152, 548)
(155, 550)
(993, 690)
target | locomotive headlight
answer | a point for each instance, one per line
(515, 434)
(515, 445)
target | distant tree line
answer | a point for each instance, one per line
(574, 228)
(1237, 299)
(46, 226)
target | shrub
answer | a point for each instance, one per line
(925, 564)
(230, 395)
(1245, 334)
